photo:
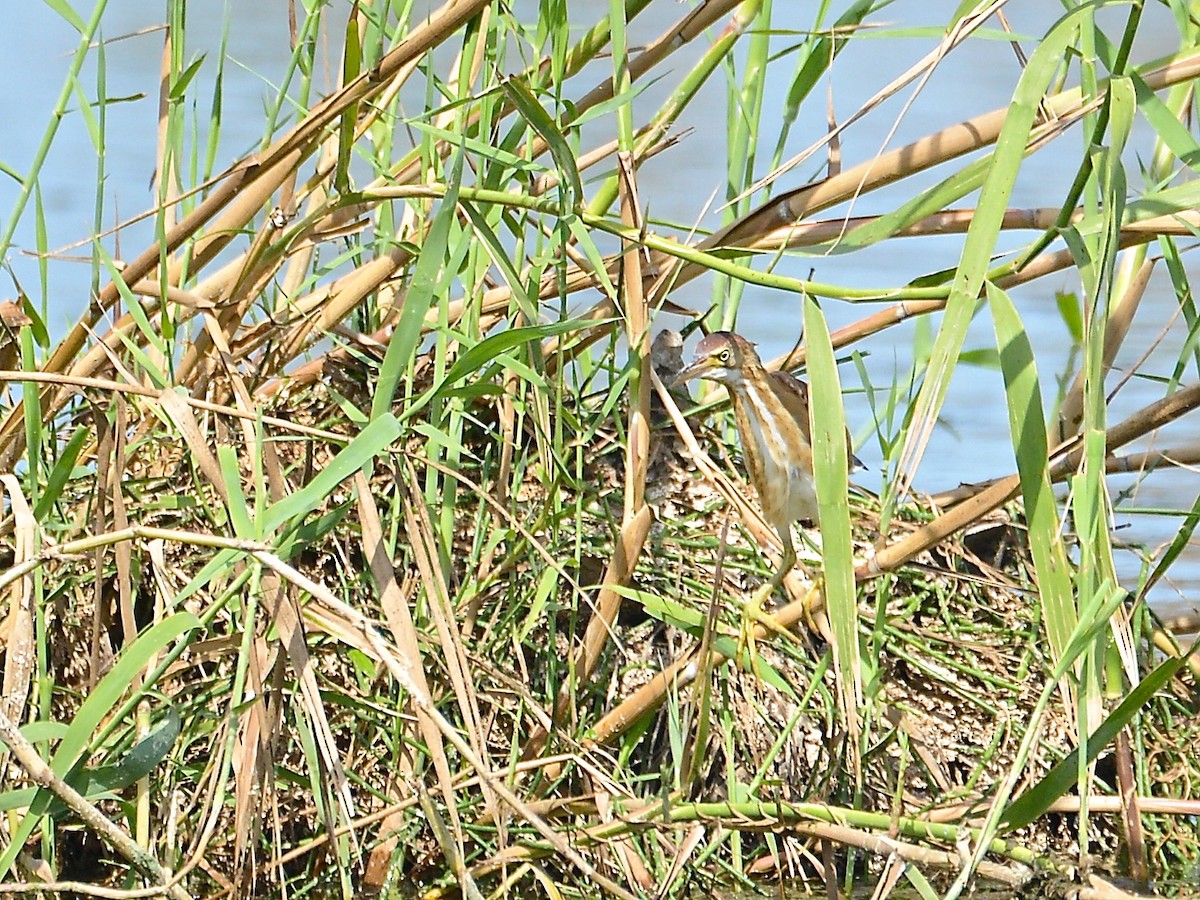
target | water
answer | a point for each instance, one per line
(972, 442)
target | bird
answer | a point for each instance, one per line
(771, 413)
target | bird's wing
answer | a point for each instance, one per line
(794, 394)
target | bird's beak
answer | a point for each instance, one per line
(695, 370)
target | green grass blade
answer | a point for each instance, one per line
(370, 442)
(831, 471)
(491, 349)
(418, 299)
(543, 123)
(62, 471)
(351, 66)
(980, 242)
(239, 511)
(1027, 425)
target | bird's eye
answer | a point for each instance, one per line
(723, 356)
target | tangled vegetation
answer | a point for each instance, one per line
(355, 536)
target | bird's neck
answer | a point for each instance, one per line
(740, 380)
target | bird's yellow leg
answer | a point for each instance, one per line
(753, 613)
(813, 592)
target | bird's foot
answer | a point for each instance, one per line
(754, 615)
(811, 620)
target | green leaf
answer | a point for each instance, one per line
(541, 121)
(67, 13)
(418, 299)
(102, 781)
(953, 188)
(492, 347)
(180, 85)
(494, 154)
(370, 443)
(61, 473)
(351, 65)
(980, 241)
(239, 511)
(1028, 429)
(500, 255)
(1172, 132)
(1071, 314)
(983, 358)
(687, 618)
(831, 473)
(546, 588)
(133, 306)
(40, 333)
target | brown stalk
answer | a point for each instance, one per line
(18, 631)
(319, 312)
(637, 333)
(961, 30)
(1046, 264)
(637, 515)
(1131, 814)
(163, 184)
(886, 846)
(165, 397)
(771, 225)
(437, 599)
(252, 747)
(283, 608)
(1140, 461)
(686, 29)
(774, 219)
(399, 620)
(1064, 461)
(120, 519)
(1159, 806)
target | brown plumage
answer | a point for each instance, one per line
(771, 411)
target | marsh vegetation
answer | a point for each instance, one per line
(355, 537)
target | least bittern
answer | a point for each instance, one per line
(771, 411)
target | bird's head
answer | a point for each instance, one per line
(723, 357)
